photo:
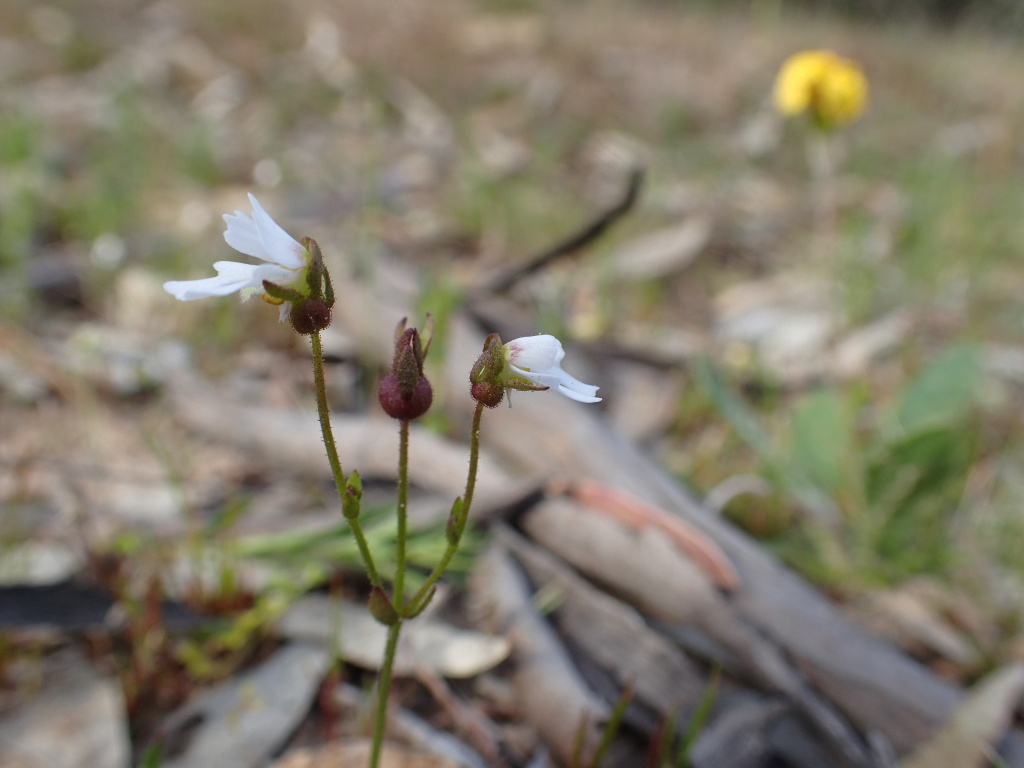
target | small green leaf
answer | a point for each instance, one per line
(943, 393)
(822, 439)
(153, 757)
(700, 718)
(790, 476)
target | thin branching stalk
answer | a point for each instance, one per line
(398, 594)
(332, 456)
(383, 689)
(416, 603)
(397, 597)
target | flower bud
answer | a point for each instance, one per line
(487, 393)
(310, 315)
(405, 404)
(405, 393)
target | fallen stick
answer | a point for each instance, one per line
(572, 244)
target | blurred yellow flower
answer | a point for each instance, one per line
(830, 89)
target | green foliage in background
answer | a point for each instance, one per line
(318, 553)
(879, 485)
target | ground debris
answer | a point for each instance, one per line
(75, 720)
(241, 722)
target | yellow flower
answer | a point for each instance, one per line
(830, 89)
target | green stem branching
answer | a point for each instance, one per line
(422, 596)
(332, 456)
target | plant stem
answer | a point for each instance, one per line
(398, 592)
(467, 501)
(822, 162)
(383, 689)
(332, 455)
(397, 596)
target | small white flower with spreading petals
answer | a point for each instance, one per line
(285, 261)
(535, 360)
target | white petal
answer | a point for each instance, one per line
(568, 382)
(243, 236)
(261, 237)
(231, 276)
(281, 247)
(535, 353)
(583, 396)
(556, 378)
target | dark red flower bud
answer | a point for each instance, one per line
(308, 316)
(403, 403)
(405, 393)
(488, 393)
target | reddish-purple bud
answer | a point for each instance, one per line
(487, 393)
(402, 403)
(308, 316)
(405, 393)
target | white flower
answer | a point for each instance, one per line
(535, 359)
(285, 261)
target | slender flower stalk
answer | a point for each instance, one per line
(397, 598)
(324, 414)
(383, 689)
(457, 521)
(398, 590)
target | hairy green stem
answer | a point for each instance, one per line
(416, 604)
(397, 596)
(398, 593)
(383, 689)
(332, 455)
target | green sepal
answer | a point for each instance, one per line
(489, 366)
(428, 334)
(315, 272)
(382, 608)
(328, 288)
(281, 293)
(522, 385)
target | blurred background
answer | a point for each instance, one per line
(830, 353)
